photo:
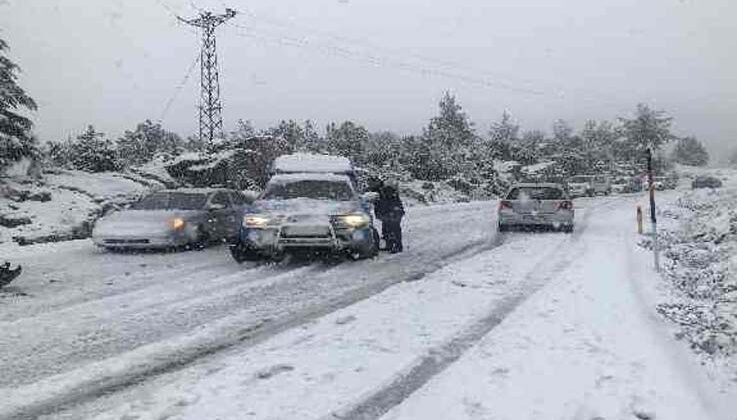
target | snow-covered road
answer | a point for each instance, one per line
(193, 335)
(81, 321)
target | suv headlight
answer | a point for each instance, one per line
(255, 221)
(356, 220)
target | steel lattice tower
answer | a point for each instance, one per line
(211, 120)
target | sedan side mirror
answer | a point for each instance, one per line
(370, 196)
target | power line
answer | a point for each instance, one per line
(178, 88)
(427, 65)
(381, 61)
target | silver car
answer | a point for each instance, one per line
(173, 218)
(536, 205)
(580, 186)
(601, 185)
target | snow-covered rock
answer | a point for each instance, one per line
(63, 204)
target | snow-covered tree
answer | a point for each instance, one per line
(347, 139)
(241, 134)
(382, 149)
(16, 140)
(451, 128)
(647, 129)
(312, 140)
(92, 152)
(148, 139)
(446, 143)
(505, 130)
(291, 132)
(59, 153)
(690, 151)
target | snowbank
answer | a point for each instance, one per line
(699, 244)
(63, 205)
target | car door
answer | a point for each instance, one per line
(219, 215)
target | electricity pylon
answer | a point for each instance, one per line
(211, 120)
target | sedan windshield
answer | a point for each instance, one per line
(535, 193)
(172, 201)
(318, 190)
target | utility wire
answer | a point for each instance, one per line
(431, 65)
(179, 87)
(379, 61)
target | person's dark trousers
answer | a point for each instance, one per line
(393, 232)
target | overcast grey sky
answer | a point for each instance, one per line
(383, 63)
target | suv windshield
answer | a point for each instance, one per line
(318, 190)
(172, 201)
(535, 193)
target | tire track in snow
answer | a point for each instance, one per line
(378, 402)
(108, 376)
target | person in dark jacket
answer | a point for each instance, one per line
(389, 210)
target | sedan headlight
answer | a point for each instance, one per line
(177, 223)
(255, 221)
(357, 220)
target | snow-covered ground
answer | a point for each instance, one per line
(464, 324)
(64, 204)
(588, 346)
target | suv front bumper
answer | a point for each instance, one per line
(294, 237)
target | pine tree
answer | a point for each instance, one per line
(504, 130)
(648, 129)
(148, 139)
(241, 135)
(446, 142)
(16, 140)
(60, 153)
(347, 139)
(312, 140)
(451, 128)
(291, 132)
(92, 152)
(690, 151)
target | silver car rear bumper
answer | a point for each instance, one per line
(559, 218)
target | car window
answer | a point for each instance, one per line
(535, 193)
(238, 198)
(172, 201)
(221, 198)
(315, 189)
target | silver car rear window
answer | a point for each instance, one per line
(535, 193)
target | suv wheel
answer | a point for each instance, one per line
(242, 254)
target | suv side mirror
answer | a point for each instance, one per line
(370, 196)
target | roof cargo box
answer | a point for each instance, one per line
(311, 163)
